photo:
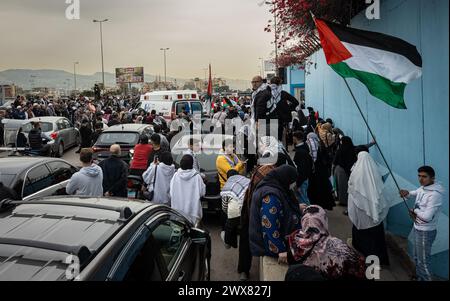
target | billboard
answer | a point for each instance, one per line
(130, 75)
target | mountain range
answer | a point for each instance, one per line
(59, 79)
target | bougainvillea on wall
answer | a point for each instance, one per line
(295, 31)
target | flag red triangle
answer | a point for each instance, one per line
(335, 51)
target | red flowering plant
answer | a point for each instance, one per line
(295, 31)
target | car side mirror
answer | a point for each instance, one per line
(199, 236)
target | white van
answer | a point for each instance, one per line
(171, 103)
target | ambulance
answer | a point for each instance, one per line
(171, 103)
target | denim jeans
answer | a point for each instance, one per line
(302, 193)
(422, 253)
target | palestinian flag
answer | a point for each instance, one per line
(226, 102)
(384, 64)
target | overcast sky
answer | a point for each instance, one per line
(228, 33)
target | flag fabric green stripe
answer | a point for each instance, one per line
(390, 92)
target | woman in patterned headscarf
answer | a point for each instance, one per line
(274, 213)
(313, 246)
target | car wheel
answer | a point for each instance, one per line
(60, 152)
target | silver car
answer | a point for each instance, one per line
(61, 132)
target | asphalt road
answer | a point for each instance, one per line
(223, 261)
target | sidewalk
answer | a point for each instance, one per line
(341, 227)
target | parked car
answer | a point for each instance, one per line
(126, 135)
(32, 177)
(60, 130)
(11, 129)
(211, 145)
(100, 239)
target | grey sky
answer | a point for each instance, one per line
(228, 33)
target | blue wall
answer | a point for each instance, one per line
(295, 79)
(409, 138)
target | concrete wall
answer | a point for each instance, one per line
(408, 138)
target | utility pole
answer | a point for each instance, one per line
(275, 30)
(165, 66)
(101, 46)
(75, 76)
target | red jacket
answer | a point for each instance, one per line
(141, 154)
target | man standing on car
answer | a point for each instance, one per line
(115, 174)
(35, 139)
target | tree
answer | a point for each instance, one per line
(296, 33)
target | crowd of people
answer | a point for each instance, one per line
(273, 203)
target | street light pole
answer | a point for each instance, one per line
(75, 76)
(165, 66)
(275, 30)
(101, 46)
(262, 67)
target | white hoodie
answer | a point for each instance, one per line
(186, 190)
(162, 183)
(427, 206)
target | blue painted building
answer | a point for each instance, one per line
(409, 138)
(295, 82)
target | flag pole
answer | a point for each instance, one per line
(373, 136)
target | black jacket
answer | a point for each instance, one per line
(260, 104)
(21, 140)
(304, 163)
(115, 176)
(35, 139)
(95, 136)
(86, 136)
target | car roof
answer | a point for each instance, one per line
(9, 123)
(14, 165)
(47, 118)
(35, 236)
(128, 127)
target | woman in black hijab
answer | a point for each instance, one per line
(274, 213)
(343, 162)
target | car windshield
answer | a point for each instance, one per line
(45, 127)
(119, 138)
(196, 107)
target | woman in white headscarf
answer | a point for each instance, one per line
(313, 143)
(367, 208)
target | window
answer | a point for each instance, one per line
(119, 138)
(147, 131)
(60, 125)
(38, 178)
(61, 171)
(45, 127)
(139, 260)
(67, 124)
(26, 128)
(182, 106)
(170, 237)
(196, 107)
(299, 94)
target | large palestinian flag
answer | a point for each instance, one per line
(383, 63)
